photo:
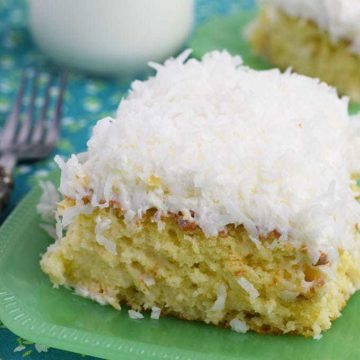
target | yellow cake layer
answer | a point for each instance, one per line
(292, 42)
(176, 268)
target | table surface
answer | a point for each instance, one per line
(87, 100)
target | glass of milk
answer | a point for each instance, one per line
(110, 36)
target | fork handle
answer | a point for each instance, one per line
(6, 185)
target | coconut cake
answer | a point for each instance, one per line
(218, 193)
(317, 38)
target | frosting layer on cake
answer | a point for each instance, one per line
(224, 144)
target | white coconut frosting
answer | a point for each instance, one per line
(340, 18)
(230, 145)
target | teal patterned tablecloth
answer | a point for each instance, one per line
(87, 100)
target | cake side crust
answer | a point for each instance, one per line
(270, 288)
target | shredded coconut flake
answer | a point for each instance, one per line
(72, 212)
(48, 201)
(19, 348)
(340, 18)
(155, 313)
(221, 298)
(239, 326)
(103, 225)
(99, 298)
(58, 227)
(136, 315)
(261, 149)
(50, 229)
(46, 207)
(248, 287)
(317, 332)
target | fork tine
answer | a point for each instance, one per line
(53, 130)
(39, 128)
(25, 128)
(9, 131)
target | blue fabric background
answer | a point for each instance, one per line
(87, 100)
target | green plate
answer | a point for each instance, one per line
(228, 33)
(33, 309)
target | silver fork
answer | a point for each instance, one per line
(33, 137)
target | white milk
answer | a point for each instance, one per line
(110, 36)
